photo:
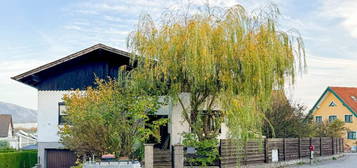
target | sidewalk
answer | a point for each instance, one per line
(296, 163)
(348, 161)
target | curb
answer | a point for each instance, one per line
(293, 162)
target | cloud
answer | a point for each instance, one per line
(328, 28)
(72, 27)
(323, 72)
(344, 10)
(13, 91)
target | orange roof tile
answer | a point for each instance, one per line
(347, 94)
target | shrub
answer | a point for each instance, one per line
(78, 166)
(18, 159)
(4, 144)
(7, 150)
(112, 116)
(206, 150)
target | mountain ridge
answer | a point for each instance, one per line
(19, 114)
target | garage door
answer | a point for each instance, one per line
(59, 158)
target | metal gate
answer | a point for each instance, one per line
(60, 158)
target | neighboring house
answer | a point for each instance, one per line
(7, 129)
(16, 140)
(78, 71)
(338, 103)
(25, 139)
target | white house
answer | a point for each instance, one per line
(25, 139)
(78, 71)
(16, 140)
(7, 129)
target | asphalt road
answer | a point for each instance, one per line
(348, 161)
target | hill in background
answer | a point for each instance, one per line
(19, 114)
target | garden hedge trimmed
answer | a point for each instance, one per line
(18, 159)
(7, 150)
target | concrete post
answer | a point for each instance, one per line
(178, 156)
(149, 155)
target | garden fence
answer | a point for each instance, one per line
(233, 154)
(255, 151)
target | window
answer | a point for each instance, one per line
(61, 113)
(210, 118)
(318, 119)
(332, 118)
(332, 104)
(351, 135)
(348, 118)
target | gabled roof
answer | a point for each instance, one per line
(69, 58)
(345, 94)
(5, 123)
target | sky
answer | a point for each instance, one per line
(33, 33)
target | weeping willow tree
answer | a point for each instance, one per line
(225, 58)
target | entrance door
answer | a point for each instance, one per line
(60, 158)
(164, 133)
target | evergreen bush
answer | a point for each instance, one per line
(18, 159)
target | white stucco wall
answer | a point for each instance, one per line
(178, 125)
(47, 115)
(9, 133)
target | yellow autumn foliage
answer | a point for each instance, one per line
(226, 56)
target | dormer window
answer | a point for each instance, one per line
(332, 104)
(354, 98)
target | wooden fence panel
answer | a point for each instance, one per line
(334, 146)
(276, 143)
(254, 151)
(338, 145)
(229, 153)
(305, 143)
(317, 144)
(326, 146)
(292, 148)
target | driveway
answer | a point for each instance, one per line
(348, 161)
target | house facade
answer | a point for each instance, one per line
(16, 140)
(78, 71)
(25, 139)
(7, 129)
(339, 103)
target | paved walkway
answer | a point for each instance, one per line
(348, 161)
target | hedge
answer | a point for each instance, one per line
(7, 150)
(18, 159)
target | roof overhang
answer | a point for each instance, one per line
(32, 78)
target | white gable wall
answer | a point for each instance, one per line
(47, 115)
(9, 133)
